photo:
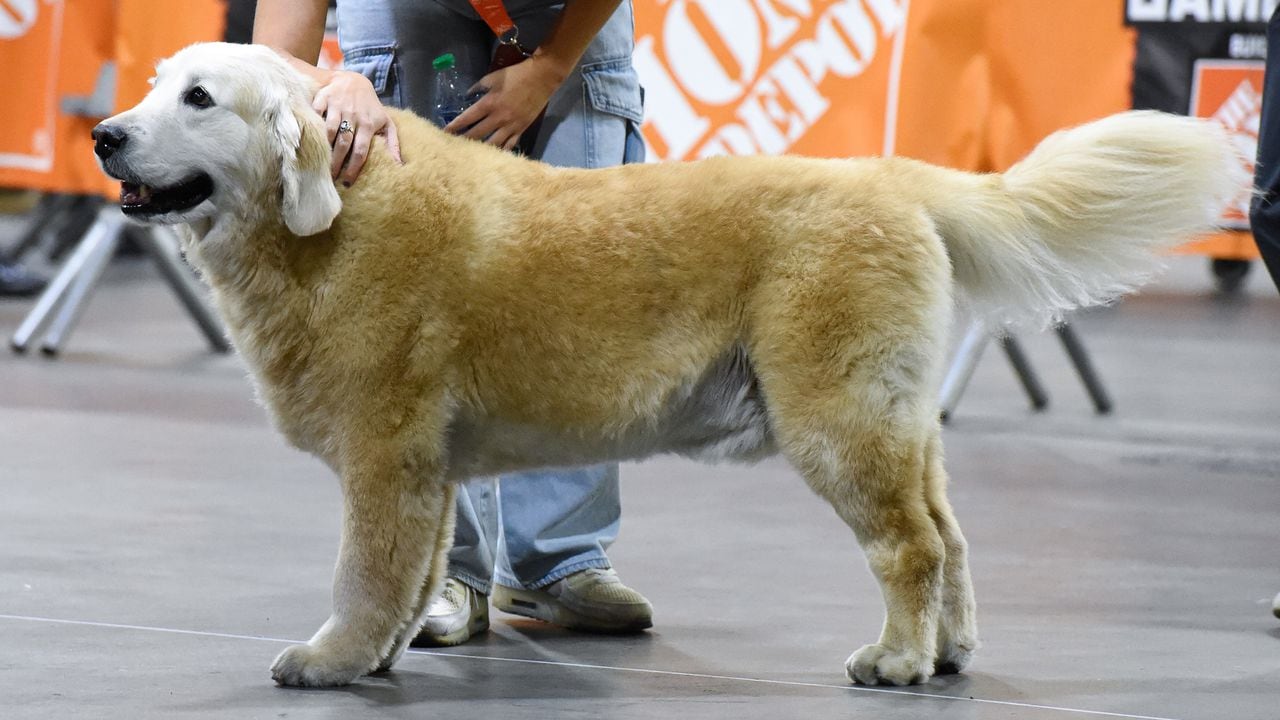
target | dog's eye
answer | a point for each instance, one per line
(197, 97)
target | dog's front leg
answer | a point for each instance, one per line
(393, 508)
(434, 584)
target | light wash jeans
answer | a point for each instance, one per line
(533, 529)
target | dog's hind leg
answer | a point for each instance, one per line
(850, 402)
(393, 507)
(875, 481)
(431, 588)
(957, 625)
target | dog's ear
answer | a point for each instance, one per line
(311, 201)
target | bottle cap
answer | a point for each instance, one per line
(444, 62)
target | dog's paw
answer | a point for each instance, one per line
(954, 656)
(305, 666)
(879, 665)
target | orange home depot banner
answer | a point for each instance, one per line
(983, 81)
(49, 49)
(53, 49)
(972, 84)
(967, 83)
(746, 77)
(148, 31)
(30, 29)
(1230, 93)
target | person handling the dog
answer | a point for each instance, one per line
(1264, 210)
(537, 548)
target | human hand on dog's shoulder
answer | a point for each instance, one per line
(351, 109)
(347, 96)
(353, 114)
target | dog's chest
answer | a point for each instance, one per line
(290, 387)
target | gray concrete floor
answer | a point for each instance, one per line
(159, 544)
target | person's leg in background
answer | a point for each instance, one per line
(16, 280)
(1264, 213)
(462, 609)
(552, 555)
(393, 43)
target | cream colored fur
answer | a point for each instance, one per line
(470, 312)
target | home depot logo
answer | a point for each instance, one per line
(1230, 92)
(16, 17)
(745, 77)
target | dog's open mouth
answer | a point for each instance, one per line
(138, 199)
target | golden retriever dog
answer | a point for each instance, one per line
(470, 312)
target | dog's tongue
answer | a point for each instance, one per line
(131, 194)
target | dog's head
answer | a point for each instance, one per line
(225, 129)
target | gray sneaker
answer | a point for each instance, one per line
(592, 600)
(453, 617)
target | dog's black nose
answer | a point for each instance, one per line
(107, 139)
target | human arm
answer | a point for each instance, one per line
(295, 30)
(515, 95)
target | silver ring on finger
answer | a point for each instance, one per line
(344, 127)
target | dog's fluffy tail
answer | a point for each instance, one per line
(1081, 219)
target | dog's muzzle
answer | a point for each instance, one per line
(136, 197)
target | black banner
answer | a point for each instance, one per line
(1197, 12)
(1191, 61)
(1164, 68)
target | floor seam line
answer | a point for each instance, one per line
(589, 666)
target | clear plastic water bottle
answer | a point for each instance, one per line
(450, 97)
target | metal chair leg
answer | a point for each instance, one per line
(104, 230)
(64, 300)
(970, 350)
(961, 371)
(77, 298)
(1084, 366)
(162, 245)
(1026, 375)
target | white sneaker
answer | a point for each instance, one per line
(591, 600)
(458, 613)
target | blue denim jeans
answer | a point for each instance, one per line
(532, 529)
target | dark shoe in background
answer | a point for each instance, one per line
(17, 281)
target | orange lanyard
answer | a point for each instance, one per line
(494, 13)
